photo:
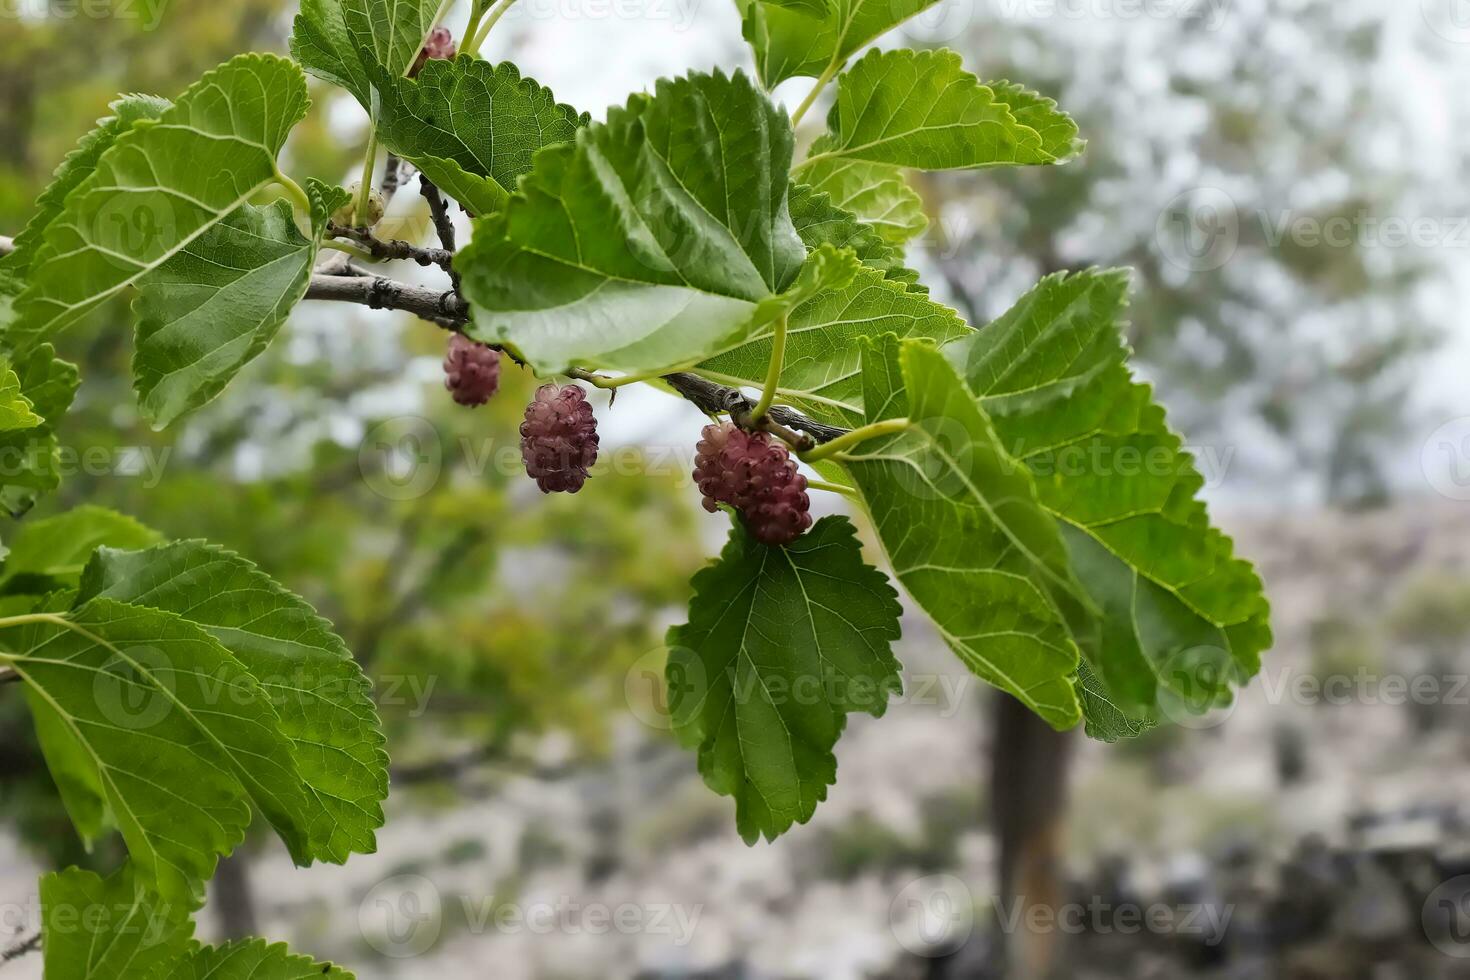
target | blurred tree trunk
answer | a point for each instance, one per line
(234, 900)
(1029, 763)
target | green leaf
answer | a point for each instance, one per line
(479, 195)
(345, 42)
(160, 186)
(875, 192)
(254, 959)
(648, 242)
(963, 529)
(77, 167)
(820, 222)
(16, 410)
(96, 928)
(485, 120)
(821, 373)
(1182, 617)
(789, 41)
(115, 928)
(1105, 721)
(922, 109)
(812, 8)
(213, 307)
(57, 548)
(180, 735)
(781, 644)
(326, 199)
(30, 461)
(318, 691)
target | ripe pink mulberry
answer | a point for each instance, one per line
(755, 475)
(559, 438)
(471, 371)
(439, 44)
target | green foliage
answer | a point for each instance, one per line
(175, 688)
(77, 167)
(875, 192)
(348, 42)
(820, 221)
(921, 109)
(791, 39)
(161, 185)
(1178, 612)
(254, 959)
(822, 371)
(15, 408)
(113, 928)
(317, 689)
(199, 320)
(467, 117)
(781, 643)
(963, 529)
(49, 554)
(127, 932)
(642, 245)
(31, 457)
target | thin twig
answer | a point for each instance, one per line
(392, 177)
(384, 250)
(443, 223)
(780, 421)
(444, 307)
(20, 949)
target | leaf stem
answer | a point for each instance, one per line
(369, 165)
(773, 371)
(495, 15)
(831, 487)
(811, 96)
(606, 383)
(352, 250)
(848, 440)
(298, 197)
(477, 11)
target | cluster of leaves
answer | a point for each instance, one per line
(1025, 489)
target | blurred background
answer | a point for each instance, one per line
(1287, 178)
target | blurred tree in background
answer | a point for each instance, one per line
(487, 613)
(1257, 171)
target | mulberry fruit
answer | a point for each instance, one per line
(559, 438)
(471, 371)
(439, 45)
(756, 476)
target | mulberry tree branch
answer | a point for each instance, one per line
(449, 310)
(392, 248)
(21, 948)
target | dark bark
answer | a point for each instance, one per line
(234, 900)
(1028, 792)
